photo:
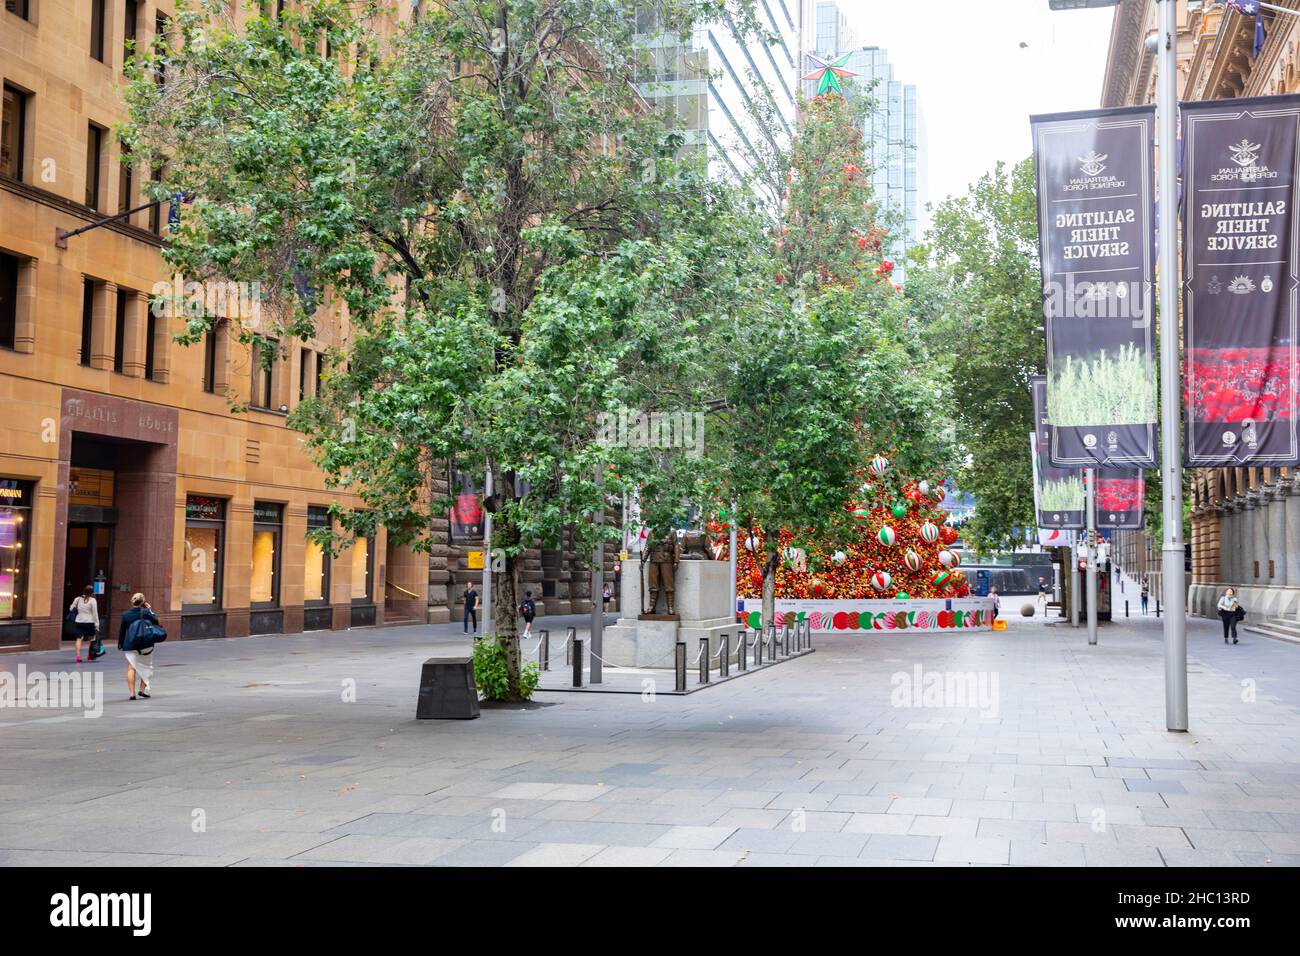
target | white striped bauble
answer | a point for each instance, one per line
(839, 557)
(912, 560)
(881, 580)
(886, 536)
(879, 464)
(947, 559)
(930, 532)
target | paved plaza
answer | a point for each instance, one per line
(252, 752)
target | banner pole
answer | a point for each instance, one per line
(1173, 589)
(1090, 480)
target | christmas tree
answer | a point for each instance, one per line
(902, 548)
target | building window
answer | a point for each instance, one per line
(8, 300)
(205, 524)
(15, 520)
(94, 155)
(119, 330)
(304, 367)
(263, 374)
(160, 27)
(17, 7)
(316, 571)
(87, 319)
(210, 360)
(150, 342)
(155, 211)
(125, 182)
(97, 29)
(320, 361)
(363, 566)
(13, 132)
(264, 586)
(131, 15)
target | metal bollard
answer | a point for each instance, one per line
(742, 650)
(785, 639)
(1126, 608)
(681, 666)
(577, 663)
(704, 660)
(544, 651)
(569, 636)
(1157, 607)
(758, 647)
(724, 658)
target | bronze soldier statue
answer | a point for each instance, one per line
(663, 561)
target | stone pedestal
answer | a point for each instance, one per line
(447, 690)
(703, 599)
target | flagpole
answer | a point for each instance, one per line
(1172, 585)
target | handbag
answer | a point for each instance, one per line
(1241, 613)
(143, 634)
(70, 625)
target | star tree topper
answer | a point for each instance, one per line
(828, 74)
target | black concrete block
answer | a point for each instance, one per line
(447, 690)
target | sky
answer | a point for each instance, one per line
(977, 87)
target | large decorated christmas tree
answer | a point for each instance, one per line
(902, 548)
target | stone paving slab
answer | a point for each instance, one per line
(251, 754)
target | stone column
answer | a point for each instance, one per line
(1277, 540)
(1292, 555)
(136, 317)
(1228, 544)
(103, 324)
(1257, 536)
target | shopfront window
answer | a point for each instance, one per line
(363, 566)
(316, 581)
(264, 588)
(205, 525)
(15, 524)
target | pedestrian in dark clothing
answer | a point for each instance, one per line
(471, 609)
(1146, 593)
(1230, 613)
(528, 611)
(139, 662)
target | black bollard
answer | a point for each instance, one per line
(577, 663)
(1126, 608)
(785, 639)
(758, 647)
(724, 656)
(742, 650)
(544, 653)
(681, 666)
(1157, 607)
(704, 660)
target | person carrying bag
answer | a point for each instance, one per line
(136, 637)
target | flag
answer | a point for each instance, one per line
(1251, 8)
(174, 211)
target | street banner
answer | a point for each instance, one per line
(1058, 492)
(1120, 494)
(1239, 279)
(1096, 241)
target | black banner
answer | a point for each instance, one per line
(1095, 237)
(1120, 494)
(1240, 278)
(1058, 492)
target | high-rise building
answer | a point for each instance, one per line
(718, 78)
(894, 130)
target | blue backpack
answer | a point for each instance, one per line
(143, 633)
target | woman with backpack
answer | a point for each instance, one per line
(84, 612)
(528, 611)
(138, 661)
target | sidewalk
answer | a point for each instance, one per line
(304, 750)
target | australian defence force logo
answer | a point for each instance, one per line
(1247, 169)
(1092, 165)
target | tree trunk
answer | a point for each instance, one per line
(505, 600)
(771, 561)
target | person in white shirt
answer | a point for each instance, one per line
(1228, 608)
(86, 621)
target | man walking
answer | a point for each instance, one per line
(471, 608)
(1042, 593)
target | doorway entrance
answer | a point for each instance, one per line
(89, 560)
